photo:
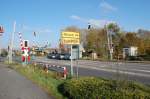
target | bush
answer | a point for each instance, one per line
(95, 88)
(4, 53)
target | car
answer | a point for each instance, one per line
(52, 55)
(64, 56)
(67, 56)
(61, 56)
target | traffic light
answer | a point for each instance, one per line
(89, 26)
(25, 43)
(1, 29)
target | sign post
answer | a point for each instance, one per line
(71, 62)
(70, 38)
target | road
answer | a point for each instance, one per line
(115, 70)
(15, 86)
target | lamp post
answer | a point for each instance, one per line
(11, 43)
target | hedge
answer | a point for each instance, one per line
(96, 88)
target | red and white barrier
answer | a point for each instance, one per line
(65, 72)
(48, 66)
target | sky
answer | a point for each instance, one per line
(49, 17)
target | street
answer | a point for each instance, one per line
(16, 86)
(115, 70)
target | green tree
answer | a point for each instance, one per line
(96, 41)
(4, 53)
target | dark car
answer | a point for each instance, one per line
(64, 56)
(67, 57)
(53, 55)
(61, 56)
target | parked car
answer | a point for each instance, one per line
(67, 57)
(61, 56)
(64, 56)
(53, 55)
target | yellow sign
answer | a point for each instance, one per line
(70, 38)
(70, 41)
(70, 35)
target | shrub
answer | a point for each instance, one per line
(95, 88)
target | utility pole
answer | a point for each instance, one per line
(109, 43)
(11, 43)
(108, 40)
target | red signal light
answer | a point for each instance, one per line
(1, 29)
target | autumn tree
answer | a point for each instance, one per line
(145, 36)
(96, 41)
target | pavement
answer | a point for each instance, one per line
(16, 86)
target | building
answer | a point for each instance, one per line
(130, 51)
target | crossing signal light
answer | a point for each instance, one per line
(89, 26)
(26, 43)
(1, 29)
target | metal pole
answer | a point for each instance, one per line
(11, 45)
(77, 61)
(111, 47)
(108, 41)
(71, 62)
(77, 68)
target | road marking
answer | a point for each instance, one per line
(120, 71)
(141, 70)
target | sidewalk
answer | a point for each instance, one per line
(16, 86)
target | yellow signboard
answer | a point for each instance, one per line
(70, 38)
(70, 35)
(70, 41)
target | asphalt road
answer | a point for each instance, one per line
(15, 86)
(114, 70)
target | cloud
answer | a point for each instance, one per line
(75, 17)
(94, 22)
(36, 29)
(99, 23)
(106, 7)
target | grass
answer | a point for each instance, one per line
(48, 81)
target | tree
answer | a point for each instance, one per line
(96, 41)
(112, 39)
(145, 36)
(4, 53)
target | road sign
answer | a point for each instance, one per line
(70, 35)
(70, 41)
(70, 38)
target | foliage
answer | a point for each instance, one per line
(4, 53)
(96, 42)
(96, 88)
